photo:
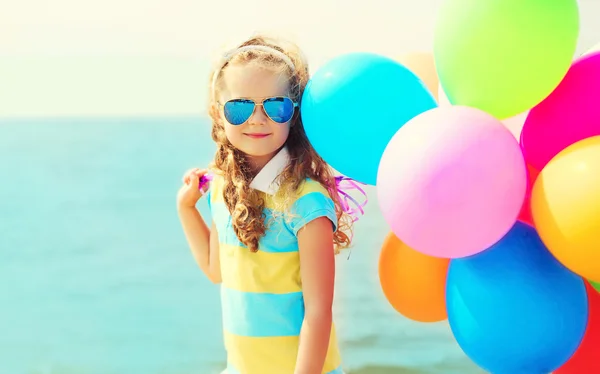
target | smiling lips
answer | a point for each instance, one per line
(257, 135)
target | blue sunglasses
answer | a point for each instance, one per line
(279, 109)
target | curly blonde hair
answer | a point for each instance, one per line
(244, 203)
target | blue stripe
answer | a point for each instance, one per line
(337, 371)
(278, 238)
(310, 207)
(262, 314)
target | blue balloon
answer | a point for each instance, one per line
(514, 309)
(354, 105)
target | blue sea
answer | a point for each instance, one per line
(96, 276)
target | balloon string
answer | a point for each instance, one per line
(344, 184)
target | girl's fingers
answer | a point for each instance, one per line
(194, 181)
(188, 174)
(193, 176)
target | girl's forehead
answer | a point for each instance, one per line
(254, 81)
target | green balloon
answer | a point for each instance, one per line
(504, 56)
(595, 285)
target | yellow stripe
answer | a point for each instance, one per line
(269, 272)
(274, 203)
(272, 355)
(311, 186)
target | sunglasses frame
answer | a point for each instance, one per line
(259, 103)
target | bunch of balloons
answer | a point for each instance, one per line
(486, 160)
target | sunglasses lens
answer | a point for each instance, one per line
(279, 109)
(238, 111)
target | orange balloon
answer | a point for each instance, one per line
(414, 283)
(423, 65)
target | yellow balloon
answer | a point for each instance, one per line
(423, 65)
(565, 204)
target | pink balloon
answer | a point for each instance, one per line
(451, 182)
(569, 114)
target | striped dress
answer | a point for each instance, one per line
(261, 292)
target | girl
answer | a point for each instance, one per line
(277, 219)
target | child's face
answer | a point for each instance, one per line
(259, 137)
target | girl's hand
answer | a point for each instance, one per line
(190, 192)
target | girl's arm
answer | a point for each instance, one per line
(317, 269)
(203, 242)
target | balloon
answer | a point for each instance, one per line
(595, 285)
(423, 65)
(514, 308)
(565, 204)
(451, 182)
(506, 56)
(413, 283)
(585, 359)
(514, 124)
(571, 113)
(525, 213)
(354, 104)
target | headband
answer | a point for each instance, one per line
(263, 48)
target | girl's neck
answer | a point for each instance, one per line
(257, 163)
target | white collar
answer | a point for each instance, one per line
(266, 179)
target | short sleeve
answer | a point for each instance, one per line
(310, 207)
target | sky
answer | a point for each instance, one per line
(152, 57)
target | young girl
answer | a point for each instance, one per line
(277, 219)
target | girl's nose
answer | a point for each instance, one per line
(259, 117)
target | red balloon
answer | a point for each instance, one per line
(525, 213)
(585, 359)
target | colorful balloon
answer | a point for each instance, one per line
(596, 285)
(585, 359)
(506, 56)
(413, 283)
(569, 114)
(451, 182)
(354, 104)
(565, 204)
(514, 308)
